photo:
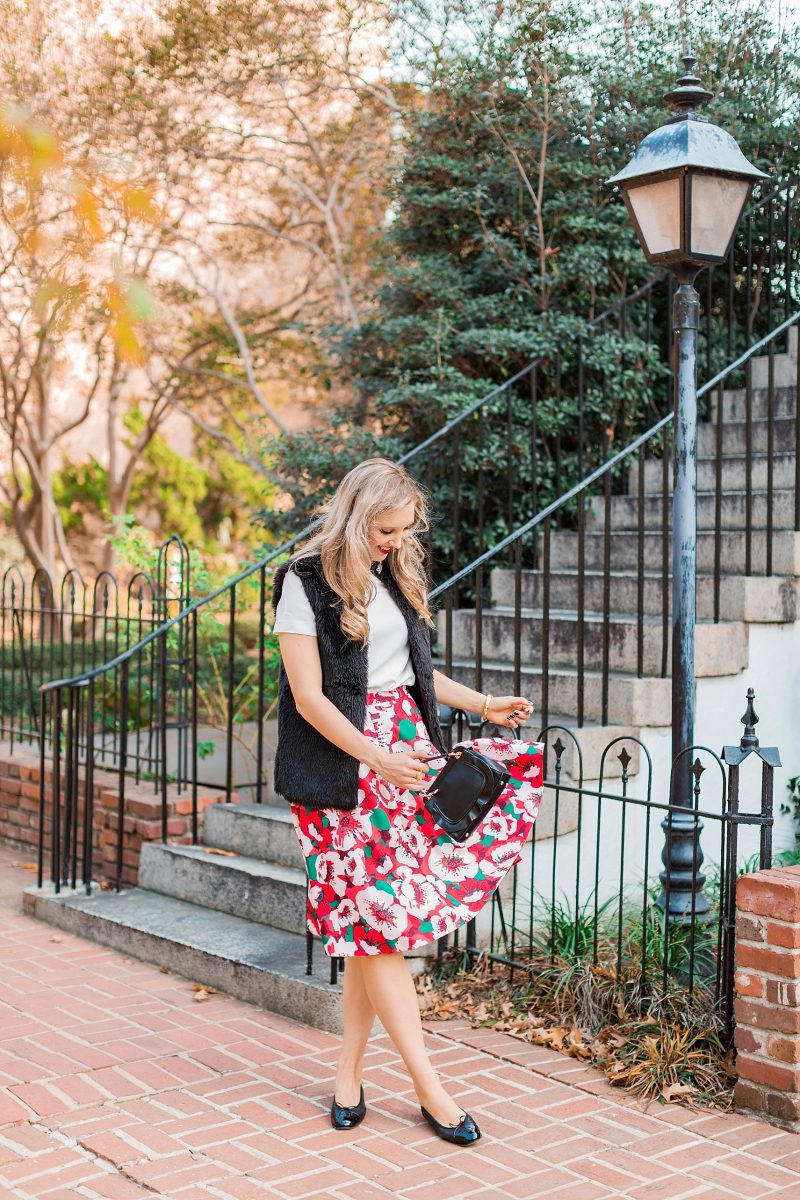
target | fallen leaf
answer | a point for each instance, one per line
(26, 866)
(202, 994)
(165, 970)
(56, 938)
(202, 987)
(216, 850)
(676, 1090)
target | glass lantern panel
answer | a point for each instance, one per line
(717, 203)
(657, 209)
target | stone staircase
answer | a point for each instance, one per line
(640, 700)
(229, 913)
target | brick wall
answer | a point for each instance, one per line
(19, 815)
(767, 1006)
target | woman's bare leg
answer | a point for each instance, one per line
(390, 988)
(359, 1017)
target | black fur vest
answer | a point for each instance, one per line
(310, 769)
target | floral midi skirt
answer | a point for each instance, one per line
(383, 877)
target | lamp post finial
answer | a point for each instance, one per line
(688, 94)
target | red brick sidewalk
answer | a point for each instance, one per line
(115, 1083)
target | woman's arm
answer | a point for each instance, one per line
(300, 654)
(501, 711)
(457, 695)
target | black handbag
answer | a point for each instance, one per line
(464, 791)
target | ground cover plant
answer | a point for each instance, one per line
(612, 993)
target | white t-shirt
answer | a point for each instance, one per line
(388, 652)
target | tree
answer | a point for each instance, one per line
(268, 190)
(506, 240)
(49, 238)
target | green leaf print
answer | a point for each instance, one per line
(407, 730)
(426, 926)
(379, 818)
(383, 886)
(311, 867)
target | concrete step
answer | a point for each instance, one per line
(784, 364)
(757, 598)
(720, 649)
(734, 437)
(632, 701)
(733, 474)
(258, 891)
(238, 957)
(263, 831)
(625, 551)
(734, 403)
(733, 510)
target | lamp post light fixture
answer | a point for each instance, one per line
(685, 190)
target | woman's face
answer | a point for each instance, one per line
(390, 530)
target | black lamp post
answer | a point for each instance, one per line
(685, 189)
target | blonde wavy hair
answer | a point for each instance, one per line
(366, 492)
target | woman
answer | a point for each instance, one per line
(357, 720)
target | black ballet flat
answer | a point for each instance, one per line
(463, 1134)
(347, 1116)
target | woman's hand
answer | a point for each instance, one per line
(509, 710)
(404, 769)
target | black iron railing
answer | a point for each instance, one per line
(572, 608)
(51, 629)
(203, 682)
(210, 670)
(595, 895)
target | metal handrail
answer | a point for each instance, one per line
(617, 458)
(508, 540)
(260, 564)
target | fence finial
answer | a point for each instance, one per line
(749, 720)
(749, 743)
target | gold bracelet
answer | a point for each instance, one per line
(485, 712)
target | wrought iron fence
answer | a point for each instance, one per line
(637, 891)
(576, 619)
(51, 629)
(146, 712)
(206, 678)
(590, 891)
